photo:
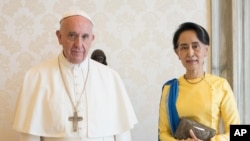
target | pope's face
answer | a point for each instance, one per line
(75, 36)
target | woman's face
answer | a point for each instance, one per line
(191, 51)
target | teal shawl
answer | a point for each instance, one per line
(171, 104)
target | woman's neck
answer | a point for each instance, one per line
(194, 74)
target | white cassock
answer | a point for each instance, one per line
(44, 105)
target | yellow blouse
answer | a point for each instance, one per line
(206, 102)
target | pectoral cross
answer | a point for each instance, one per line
(75, 120)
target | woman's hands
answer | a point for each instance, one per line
(193, 137)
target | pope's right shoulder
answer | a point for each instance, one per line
(47, 68)
(45, 65)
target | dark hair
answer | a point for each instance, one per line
(99, 56)
(201, 33)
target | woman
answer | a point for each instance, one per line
(200, 96)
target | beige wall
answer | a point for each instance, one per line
(136, 35)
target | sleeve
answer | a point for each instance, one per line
(28, 137)
(123, 137)
(164, 131)
(229, 112)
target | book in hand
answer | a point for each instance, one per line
(201, 131)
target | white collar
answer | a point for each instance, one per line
(70, 65)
